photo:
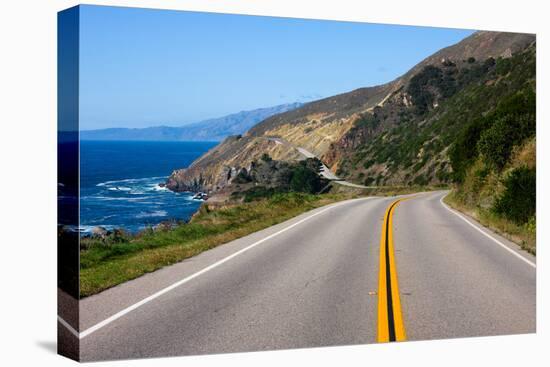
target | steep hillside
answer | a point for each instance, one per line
(313, 126)
(493, 155)
(424, 119)
(396, 133)
(215, 129)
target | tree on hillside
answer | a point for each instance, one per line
(305, 176)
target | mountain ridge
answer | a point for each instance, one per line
(335, 127)
(214, 129)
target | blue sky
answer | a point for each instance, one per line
(143, 67)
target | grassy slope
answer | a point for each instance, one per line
(523, 235)
(105, 264)
(477, 194)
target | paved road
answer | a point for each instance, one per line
(325, 171)
(315, 282)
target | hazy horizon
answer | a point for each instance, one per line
(190, 123)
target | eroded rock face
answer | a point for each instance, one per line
(180, 181)
(193, 180)
(219, 166)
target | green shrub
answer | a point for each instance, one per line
(259, 192)
(422, 85)
(266, 158)
(420, 180)
(367, 120)
(443, 175)
(369, 181)
(242, 177)
(518, 201)
(495, 134)
(520, 103)
(305, 180)
(497, 142)
(464, 150)
(367, 164)
(291, 199)
(421, 96)
(504, 66)
(531, 225)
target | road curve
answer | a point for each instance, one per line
(316, 284)
(325, 171)
(456, 282)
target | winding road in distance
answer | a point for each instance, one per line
(360, 271)
(325, 172)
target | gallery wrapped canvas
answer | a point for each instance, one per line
(234, 183)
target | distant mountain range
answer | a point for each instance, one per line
(215, 129)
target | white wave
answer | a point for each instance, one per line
(109, 198)
(131, 180)
(108, 216)
(120, 188)
(88, 228)
(157, 187)
(156, 213)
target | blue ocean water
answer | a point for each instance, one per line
(119, 183)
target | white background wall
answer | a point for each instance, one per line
(28, 180)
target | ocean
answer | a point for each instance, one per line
(119, 183)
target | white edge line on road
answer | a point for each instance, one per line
(67, 326)
(486, 234)
(123, 312)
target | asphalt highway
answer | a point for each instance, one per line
(361, 271)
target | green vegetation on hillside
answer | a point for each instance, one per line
(268, 177)
(494, 157)
(415, 149)
(517, 201)
(494, 135)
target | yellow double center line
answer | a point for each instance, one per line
(390, 319)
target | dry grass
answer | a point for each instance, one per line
(525, 154)
(523, 235)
